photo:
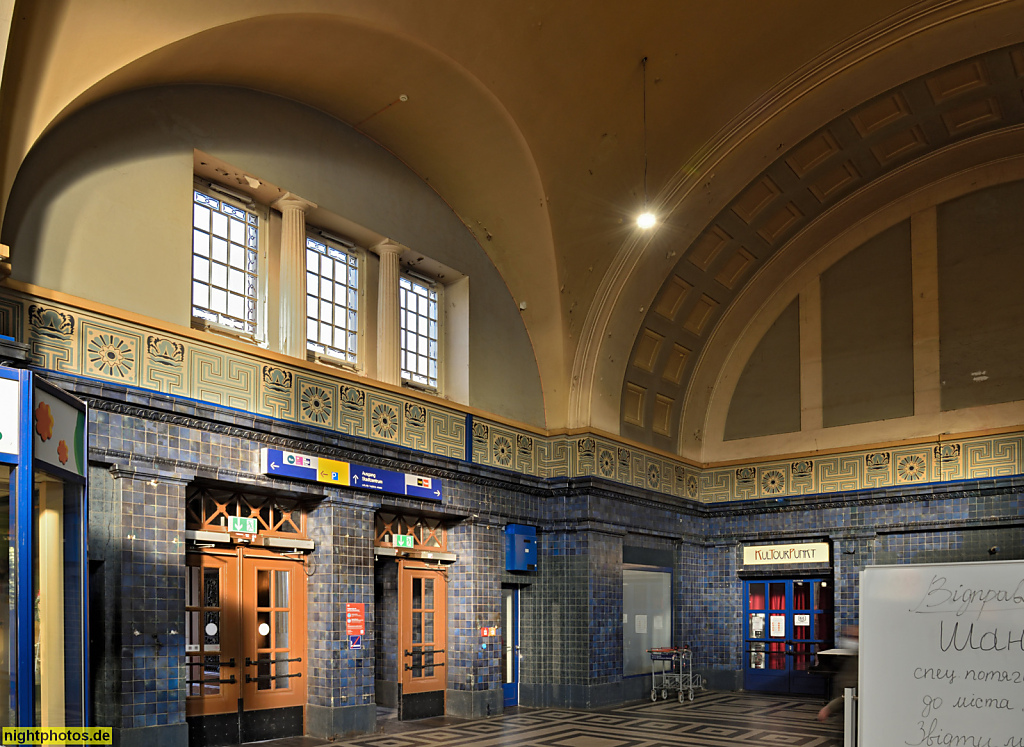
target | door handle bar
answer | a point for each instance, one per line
(422, 666)
(250, 663)
(264, 677)
(425, 651)
(230, 681)
(229, 663)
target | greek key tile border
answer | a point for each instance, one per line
(498, 445)
(66, 339)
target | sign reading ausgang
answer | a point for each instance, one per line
(279, 463)
(807, 552)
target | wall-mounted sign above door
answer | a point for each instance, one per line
(279, 463)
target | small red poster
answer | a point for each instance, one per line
(355, 619)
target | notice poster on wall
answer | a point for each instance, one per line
(641, 623)
(777, 626)
(941, 655)
(355, 624)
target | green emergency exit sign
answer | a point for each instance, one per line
(403, 540)
(242, 525)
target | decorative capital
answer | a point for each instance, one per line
(289, 201)
(387, 246)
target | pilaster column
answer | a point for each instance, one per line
(388, 350)
(292, 275)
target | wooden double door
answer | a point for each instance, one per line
(245, 646)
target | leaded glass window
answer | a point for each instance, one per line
(419, 332)
(225, 263)
(332, 301)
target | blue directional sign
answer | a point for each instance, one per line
(423, 487)
(402, 483)
(383, 480)
(287, 464)
(279, 463)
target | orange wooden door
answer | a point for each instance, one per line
(273, 631)
(212, 663)
(245, 631)
(423, 625)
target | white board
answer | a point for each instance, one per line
(942, 655)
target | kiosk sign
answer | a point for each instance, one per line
(806, 552)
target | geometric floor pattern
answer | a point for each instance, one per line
(712, 719)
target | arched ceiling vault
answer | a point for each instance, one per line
(714, 265)
(527, 121)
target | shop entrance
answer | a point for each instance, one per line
(245, 645)
(785, 623)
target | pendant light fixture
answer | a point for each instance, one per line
(646, 219)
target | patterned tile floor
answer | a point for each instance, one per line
(712, 720)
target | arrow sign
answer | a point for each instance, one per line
(278, 463)
(288, 464)
(378, 479)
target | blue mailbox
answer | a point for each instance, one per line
(520, 548)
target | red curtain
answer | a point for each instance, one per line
(802, 602)
(776, 649)
(757, 596)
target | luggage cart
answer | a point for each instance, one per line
(672, 669)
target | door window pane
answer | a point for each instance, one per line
(263, 672)
(507, 634)
(281, 588)
(281, 672)
(757, 625)
(756, 597)
(262, 588)
(801, 595)
(262, 629)
(757, 660)
(281, 629)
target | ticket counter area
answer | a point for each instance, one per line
(43, 614)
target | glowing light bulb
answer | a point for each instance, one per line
(646, 220)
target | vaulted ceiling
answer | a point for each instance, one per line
(528, 119)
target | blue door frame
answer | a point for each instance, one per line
(510, 645)
(21, 635)
(785, 623)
